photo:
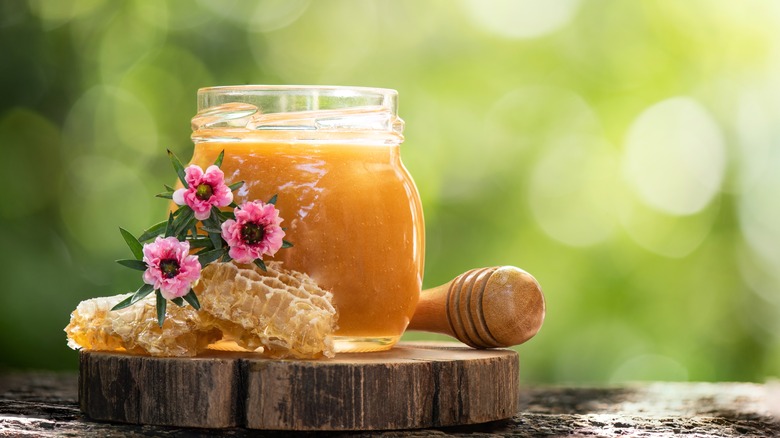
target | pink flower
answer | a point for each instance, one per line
(255, 232)
(170, 267)
(205, 190)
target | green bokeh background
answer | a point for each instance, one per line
(627, 153)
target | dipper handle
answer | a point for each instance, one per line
(484, 308)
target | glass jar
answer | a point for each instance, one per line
(351, 209)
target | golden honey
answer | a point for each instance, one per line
(350, 208)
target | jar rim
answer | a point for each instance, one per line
(283, 89)
(313, 111)
(272, 87)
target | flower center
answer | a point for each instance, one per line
(252, 233)
(203, 192)
(169, 268)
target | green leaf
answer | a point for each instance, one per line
(227, 215)
(206, 257)
(201, 243)
(192, 299)
(272, 200)
(194, 228)
(260, 264)
(169, 226)
(127, 302)
(183, 222)
(236, 186)
(286, 244)
(233, 205)
(178, 167)
(221, 156)
(153, 231)
(164, 195)
(133, 264)
(222, 216)
(211, 230)
(213, 219)
(133, 243)
(141, 293)
(216, 240)
(178, 301)
(161, 304)
(169, 188)
(213, 223)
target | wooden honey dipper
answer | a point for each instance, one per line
(492, 307)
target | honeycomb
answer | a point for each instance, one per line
(134, 329)
(282, 312)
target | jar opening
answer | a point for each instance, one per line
(310, 112)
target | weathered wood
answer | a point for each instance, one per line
(193, 392)
(44, 405)
(414, 385)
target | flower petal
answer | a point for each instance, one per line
(193, 174)
(178, 196)
(169, 248)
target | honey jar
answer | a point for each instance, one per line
(350, 208)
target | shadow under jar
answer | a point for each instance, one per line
(351, 209)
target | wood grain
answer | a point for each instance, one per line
(492, 307)
(193, 392)
(414, 385)
(43, 404)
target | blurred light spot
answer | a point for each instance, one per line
(296, 57)
(135, 125)
(759, 213)
(675, 156)
(758, 207)
(521, 18)
(30, 177)
(527, 118)
(55, 13)
(761, 313)
(465, 173)
(126, 40)
(418, 31)
(171, 14)
(757, 134)
(79, 126)
(518, 125)
(270, 15)
(109, 120)
(759, 318)
(583, 354)
(649, 367)
(760, 275)
(573, 190)
(665, 234)
(157, 83)
(234, 10)
(261, 15)
(100, 195)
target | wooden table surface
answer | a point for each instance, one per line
(45, 405)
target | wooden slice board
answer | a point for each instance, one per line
(414, 385)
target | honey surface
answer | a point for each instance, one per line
(353, 215)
